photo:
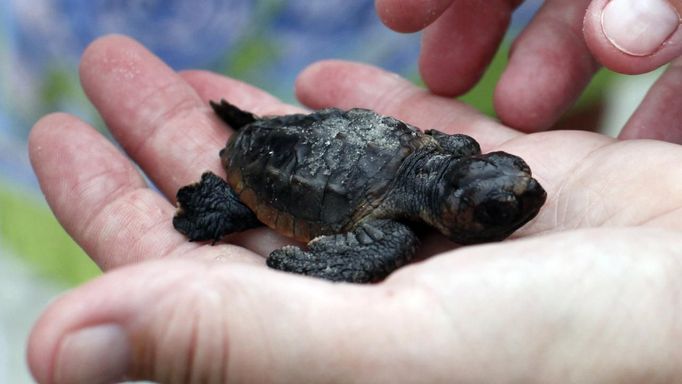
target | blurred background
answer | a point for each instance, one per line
(264, 42)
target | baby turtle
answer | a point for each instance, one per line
(354, 185)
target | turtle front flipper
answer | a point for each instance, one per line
(369, 253)
(210, 209)
(457, 145)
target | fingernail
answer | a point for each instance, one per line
(639, 27)
(100, 354)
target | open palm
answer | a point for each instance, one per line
(590, 287)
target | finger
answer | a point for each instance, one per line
(410, 15)
(632, 36)
(156, 116)
(458, 46)
(212, 86)
(213, 322)
(346, 85)
(98, 196)
(198, 323)
(659, 116)
(549, 66)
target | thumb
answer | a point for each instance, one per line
(188, 321)
(634, 36)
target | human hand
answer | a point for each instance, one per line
(553, 60)
(589, 292)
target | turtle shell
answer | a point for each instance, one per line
(321, 173)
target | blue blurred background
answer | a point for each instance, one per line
(265, 42)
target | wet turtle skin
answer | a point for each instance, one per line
(354, 185)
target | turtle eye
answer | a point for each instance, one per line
(497, 212)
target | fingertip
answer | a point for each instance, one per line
(105, 51)
(103, 44)
(44, 338)
(632, 44)
(548, 68)
(116, 39)
(407, 16)
(442, 77)
(47, 125)
(331, 82)
(39, 353)
(456, 50)
(45, 135)
(532, 101)
(162, 327)
(513, 111)
(112, 301)
(117, 72)
(59, 136)
(659, 115)
(307, 82)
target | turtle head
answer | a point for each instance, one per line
(485, 198)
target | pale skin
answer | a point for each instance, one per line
(550, 63)
(589, 291)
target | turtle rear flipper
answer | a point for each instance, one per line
(232, 115)
(210, 209)
(369, 253)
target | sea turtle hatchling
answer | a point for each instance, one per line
(354, 185)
